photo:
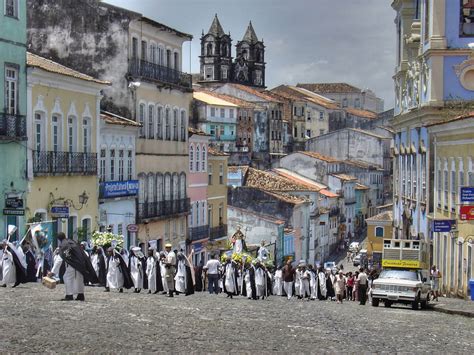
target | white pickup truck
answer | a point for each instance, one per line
(401, 286)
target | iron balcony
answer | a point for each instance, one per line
(161, 209)
(198, 233)
(12, 126)
(156, 72)
(218, 232)
(64, 163)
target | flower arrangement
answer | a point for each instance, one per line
(104, 239)
(238, 257)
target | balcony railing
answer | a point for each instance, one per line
(12, 126)
(152, 71)
(64, 163)
(218, 232)
(162, 209)
(197, 233)
(349, 200)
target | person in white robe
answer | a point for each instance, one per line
(298, 282)
(313, 286)
(136, 268)
(278, 282)
(322, 284)
(180, 277)
(8, 267)
(163, 272)
(170, 265)
(304, 282)
(115, 278)
(151, 271)
(230, 277)
(260, 280)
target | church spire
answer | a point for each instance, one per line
(250, 35)
(216, 28)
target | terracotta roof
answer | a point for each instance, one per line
(299, 179)
(329, 88)
(33, 60)
(112, 118)
(345, 177)
(362, 164)
(275, 183)
(328, 193)
(261, 94)
(361, 187)
(209, 99)
(383, 217)
(454, 119)
(318, 156)
(216, 152)
(235, 100)
(234, 169)
(361, 113)
(285, 197)
(197, 132)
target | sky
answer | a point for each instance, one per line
(350, 41)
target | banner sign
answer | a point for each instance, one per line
(409, 264)
(60, 211)
(14, 203)
(119, 188)
(13, 212)
(467, 194)
(467, 213)
(443, 225)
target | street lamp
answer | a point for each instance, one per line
(83, 198)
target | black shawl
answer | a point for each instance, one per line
(75, 257)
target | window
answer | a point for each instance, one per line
(71, 134)
(11, 8)
(209, 72)
(224, 73)
(231, 113)
(221, 214)
(222, 112)
(129, 165)
(209, 215)
(221, 130)
(144, 51)
(213, 112)
(159, 122)
(454, 187)
(295, 133)
(467, 18)
(415, 177)
(39, 133)
(470, 174)
(379, 232)
(112, 165)
(167, 187)
(209, 174)
(183, 126)
(56, 133)
(440, 183)
(321, 132)
(446, 185)
(168, 58)
(141, 120)
(308, 133)
(344, 103)
(176, 60)
(221, 174)
(426, 27)
(121, 164)
(11, 90)
(321, 115)
(102, 165)
(198, 156)
(203, 161)
(175, 124)
(151, 122)
(153, 53)
(86, 135)
(191, 158)
(212, 130)
(167, 124)
(423, 177)
(357, 103)
(134, 48)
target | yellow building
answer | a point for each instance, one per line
(217, 194)
(453, 146)
(378, 228)
(63, 126)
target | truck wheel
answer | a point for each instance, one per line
(415, 303)
(387, 304)
(375, 302)
(424, 303)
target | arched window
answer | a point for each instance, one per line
(379, 232)
(209, 48)
(175, 124)
(175, 187)
(198, 157)
(56, 132)
(182, 186)
(191, 157)
(142, 188)
(72, 133)
(167, 124)
(151, 122)
(470, 173)
(159, 122)
(461, 176)
(183, 126)
(159, 187)
(151, 195)
(167, 187)
(141, 120)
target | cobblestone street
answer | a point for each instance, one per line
(34, 320)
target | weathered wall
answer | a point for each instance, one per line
(89, 36)
(311, 168)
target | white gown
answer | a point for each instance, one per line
(8, 268)
(260, 281)
(163, 276)
(297, 282)
(151, 273)
(180, 278)
(313, 285)
(322, 284)
(304, 284)
(73, 279)
(114, 274)
(278, 283)
(230, 285)
(248, 286)
(95, 263)
(136, 272)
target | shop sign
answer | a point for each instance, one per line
(443, 225)
(409, 264)
(13, 211)
(113, 189)
(14, 202)
(467, 194)
(60, 211)
(132, 228)
(467, 213)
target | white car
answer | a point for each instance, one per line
(401, 286)
(354, 247)
(356, 261)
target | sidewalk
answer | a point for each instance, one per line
(454, 306)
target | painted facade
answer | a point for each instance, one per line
(13, 103)
(378, 228)
(63, 129)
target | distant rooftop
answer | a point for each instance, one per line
(330, 88)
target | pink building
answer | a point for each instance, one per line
(197, 191)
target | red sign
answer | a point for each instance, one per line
(467, 213)
(132, 228)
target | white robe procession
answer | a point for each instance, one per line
(8, 268)
(95, 263)
(114, 274)
(297, 283)
(180, 277)
(136, 272)
(73, 279)
(304, 283)
(313, 285)
(278, 283)
(163, 276)
(151, 273)
(248, 285)
(230, 285)
(260, 281)
(322, 284)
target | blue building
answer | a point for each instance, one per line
(434, 79)
(13, 183)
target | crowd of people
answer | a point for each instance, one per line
(171, 272)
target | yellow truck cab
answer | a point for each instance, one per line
(405, 274)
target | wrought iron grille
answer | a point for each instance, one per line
(13, 126)
(62, 163)
(152, 71)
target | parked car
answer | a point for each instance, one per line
(330, 265)
(354, 247)
(356, 261)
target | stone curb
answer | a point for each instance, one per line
(452, 311)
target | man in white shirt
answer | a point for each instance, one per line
(362, 278)
(212, 271)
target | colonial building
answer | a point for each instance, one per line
(142, 59)
(434, 64)
(347, 96)
(63, 130)
(13, 101)
(452, 143)
(344, 185)
(217, 65)
(378, 228)
(118, 186)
